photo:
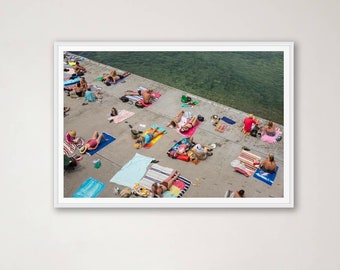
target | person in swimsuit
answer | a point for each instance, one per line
(79, 70)
(248, 123)
(189, 125)
(147, 94)
(147, 138)
(157, 189)
(92, 143)
(268, 165)
(174, 122)
(113, 77)
(269, 129)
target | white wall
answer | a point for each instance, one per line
(34, 234)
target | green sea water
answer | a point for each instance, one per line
(248, 81)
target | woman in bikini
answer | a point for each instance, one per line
(189, 125)
(158, 188)
(113, 77)
(174, 122)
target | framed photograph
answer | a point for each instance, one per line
(174, 124)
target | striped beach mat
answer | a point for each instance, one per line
(248, 159)
(69, 147)
(157, 174)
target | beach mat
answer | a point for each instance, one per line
(247, 159)
(156, 139)
(140, 98)
(175, 147)
(191, 131)
(265, 177)
(132, 171)
(69, 147)
(102, 144)
(122, 115)
(220, 127)
(228, 120)
(157, 174)
(91, 188)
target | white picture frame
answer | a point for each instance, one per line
(287, 169)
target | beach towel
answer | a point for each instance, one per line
(191, 131)
(122, 115)
(271, 139)
(247, 160)
(140, 98)
(228, 120)
(265, 177)
(156, 139)
(91, 188)
(220, 127)
(69, 147)
(157, 174)
(71, 81)
(133, 171)
(109, 139)
(172, 152)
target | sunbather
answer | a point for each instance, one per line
(78, 90)
(147, 94)
(248, 123)
(93, 96)
(147, 138)
(79, 70)
(269, 129)
(174, 122)
(159, 188)
(92, 143)
(114, 76)
(83, 84)
(189, 125)
(202, 151)
(269, 165)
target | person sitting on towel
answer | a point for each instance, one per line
(174, 122)
(147, 138)
(158, 188)
(189, 125)
(269, 165)
(269, 129)
(92, 143)
(147, 94)
(249, 123)
(71, 137)
(79, 70)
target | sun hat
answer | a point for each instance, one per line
(83, 149)
(72, 133)
(137, 145)
(199, 148)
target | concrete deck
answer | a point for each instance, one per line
(210, 178)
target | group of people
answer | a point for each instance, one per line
(269, 133)
(250, 124)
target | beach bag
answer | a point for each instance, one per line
(139, 104)
(124, 99)
(125, 193)
(89, 96)
(200, 118)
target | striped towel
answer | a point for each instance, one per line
(69, 147)
(248, 159)
(157, 174)
(140, 98)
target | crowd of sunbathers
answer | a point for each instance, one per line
(194, 151)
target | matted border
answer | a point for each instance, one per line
(287, 201)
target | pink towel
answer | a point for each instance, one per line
(271, 139)
(122, 115)
(190, 132)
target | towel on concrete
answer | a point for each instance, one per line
(265, 177)
(140, 98)
(228, 120)
(132, 171)
(91, 188)
(122, 115)
(157, 174)
(247, 160)
(220, 127)
(191, 131)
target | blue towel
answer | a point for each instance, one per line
(228, 120)
(268, 178)
(89, 189)
(102, 144)
(71, 81)
(133, 171)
